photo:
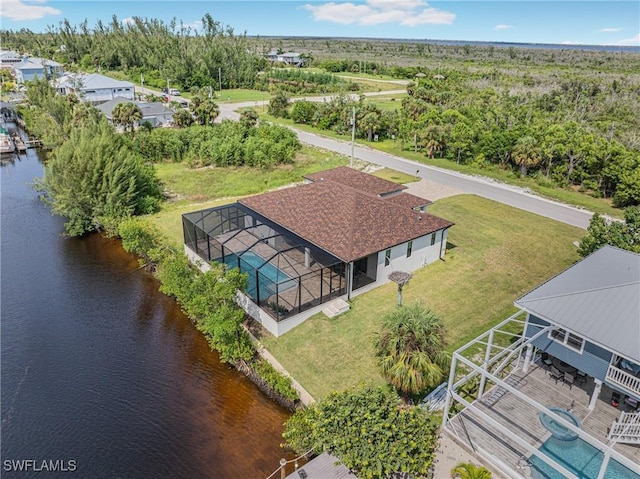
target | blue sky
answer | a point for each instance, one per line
(603, 22)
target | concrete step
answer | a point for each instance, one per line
(336, 307)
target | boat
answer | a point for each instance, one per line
(7, 147)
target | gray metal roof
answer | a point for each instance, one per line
(324, 467)
(148, 109)
(598, 298)
(92, 81)
(33, 62)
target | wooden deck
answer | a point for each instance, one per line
(522, 419)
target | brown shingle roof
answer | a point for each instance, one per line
(407, 200)
(348, 223)
(356, 179)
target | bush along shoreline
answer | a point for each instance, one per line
(208, 300)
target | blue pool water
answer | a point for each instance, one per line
(579, 457)
(268, 275)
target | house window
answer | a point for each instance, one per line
(433, 239)
(409, 247)
(387, 257)
(568, 339)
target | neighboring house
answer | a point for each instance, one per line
(580, 350)
(9, 58)
(154, 112)
(338, 235)
(94, 88)
(288, 58)
(31, 68)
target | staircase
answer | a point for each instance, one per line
(626, 429)
(336, 307)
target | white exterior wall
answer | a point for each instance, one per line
(422, 254)
(102, 95)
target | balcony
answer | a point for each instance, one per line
(624, 379)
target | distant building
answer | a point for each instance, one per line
(9, 58)
(288, 58)
(31, 68)
(154, 112)
(95, 88)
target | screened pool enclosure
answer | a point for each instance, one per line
(286, 274)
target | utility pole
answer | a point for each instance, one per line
(353, 134)
(220, 79)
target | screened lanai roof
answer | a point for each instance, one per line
(241, 231)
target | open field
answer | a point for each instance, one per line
(496, 254)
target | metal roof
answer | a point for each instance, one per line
(597, 298)
(149, 109)
(92, 81)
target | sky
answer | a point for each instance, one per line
(584, 22)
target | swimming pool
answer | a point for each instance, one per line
(269, 276)
(580, 458)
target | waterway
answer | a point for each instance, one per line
(102, 372)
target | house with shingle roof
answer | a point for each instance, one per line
(339, 234)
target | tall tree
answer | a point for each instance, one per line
(625, 235)
(94, 177)
(526, 154)
(410, 349)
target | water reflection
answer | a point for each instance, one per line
(99, 367)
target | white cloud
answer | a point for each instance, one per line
(502, 26)
(376, 12)
(195, 25)
(569, 42)
(128, 21)
(633, 41)
(26, 10)
(607, 30)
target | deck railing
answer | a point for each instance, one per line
(624, 379)
(626, 429)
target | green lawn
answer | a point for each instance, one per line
(194, 189)
(496, 254)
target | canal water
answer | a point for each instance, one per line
(105, 375)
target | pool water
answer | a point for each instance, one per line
(269, 276)
(557, 429)
(578, 457)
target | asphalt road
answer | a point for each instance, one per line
(485, 187)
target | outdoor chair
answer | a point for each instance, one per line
(568, 379)
(555, 374)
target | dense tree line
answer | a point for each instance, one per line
(149, 47)
(225, 144)
(573, 132)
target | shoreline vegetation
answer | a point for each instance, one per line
(566, 120)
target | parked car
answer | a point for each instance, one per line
(174, 92)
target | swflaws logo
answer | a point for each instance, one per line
(46, 465)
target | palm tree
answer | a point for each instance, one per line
(466, 470)
(526, 154)
(410, 349)
(126, 115)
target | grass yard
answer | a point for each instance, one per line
(497, 253)
(201, 188)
